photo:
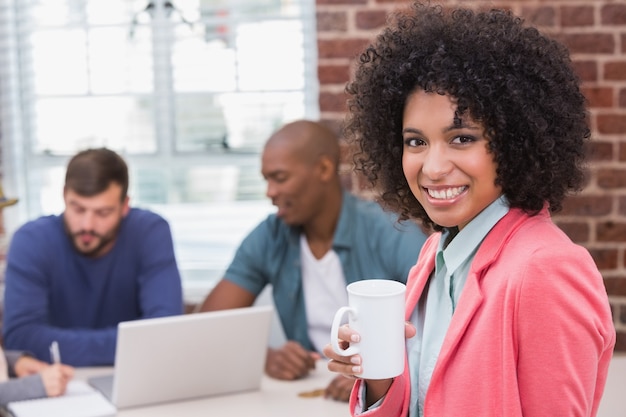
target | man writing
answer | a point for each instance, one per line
(320, 239)
(72, 278)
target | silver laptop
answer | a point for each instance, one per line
(188, 356)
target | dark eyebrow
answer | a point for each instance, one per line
(411, 130)
(459, 125)
(458, 122)
(275, 173)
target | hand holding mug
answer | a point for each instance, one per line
(376, 329)
(350, 366)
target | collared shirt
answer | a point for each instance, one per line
(434, 312)
(369, 242)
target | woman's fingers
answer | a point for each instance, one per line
(409, 330)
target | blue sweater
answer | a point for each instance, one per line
(55, 293)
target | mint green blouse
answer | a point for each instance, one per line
(436, 306)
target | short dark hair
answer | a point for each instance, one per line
(90, 172)
(518, 83)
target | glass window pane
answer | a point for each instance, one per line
(278, 67)
(53, 12)
(206, 238)
(255, 9)
(214, 182)
(201, 64)
(65, 125)
(119, 64)
(49, 188)
(200, 123)
(253, 117)
(112, 12)
(67, 12)
(59, 63)
(220, 183)
(241, 121)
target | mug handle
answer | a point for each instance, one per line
(334, 338)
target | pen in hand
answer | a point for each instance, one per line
(55, 354)
(56, 377)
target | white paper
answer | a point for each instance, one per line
(79, 400)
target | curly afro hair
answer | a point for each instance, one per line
(518, 83)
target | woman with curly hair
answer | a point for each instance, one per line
(474, 124)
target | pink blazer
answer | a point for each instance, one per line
(532, 334)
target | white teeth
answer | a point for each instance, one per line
(446, 194)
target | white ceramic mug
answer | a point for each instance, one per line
(376, 312)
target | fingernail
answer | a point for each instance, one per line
(356, 369)
(355, 360)
(355, 338)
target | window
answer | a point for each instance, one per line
(187, 91)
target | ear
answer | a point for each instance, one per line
(125, 206)
(327, 168)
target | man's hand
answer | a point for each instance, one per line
(291, 361)
(339, 388)
(27, 365)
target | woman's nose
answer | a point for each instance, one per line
(437, 163)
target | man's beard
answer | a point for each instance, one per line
(104, 240)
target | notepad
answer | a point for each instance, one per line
(79, 400)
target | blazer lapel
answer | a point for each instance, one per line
(472, 296)
(420, 273)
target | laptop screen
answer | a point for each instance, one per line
(188, 356)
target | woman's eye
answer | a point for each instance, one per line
(413, 142)
(463, 139)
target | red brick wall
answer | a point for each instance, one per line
(595, 32)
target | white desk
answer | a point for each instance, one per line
(280, 398)
(275, 399)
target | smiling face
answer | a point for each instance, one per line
(446, 160)
(294, 184)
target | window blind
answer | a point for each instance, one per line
(187, 91)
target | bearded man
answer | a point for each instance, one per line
(71, 278)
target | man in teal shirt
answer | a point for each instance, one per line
(321, 239)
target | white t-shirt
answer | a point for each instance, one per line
(324, 292)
